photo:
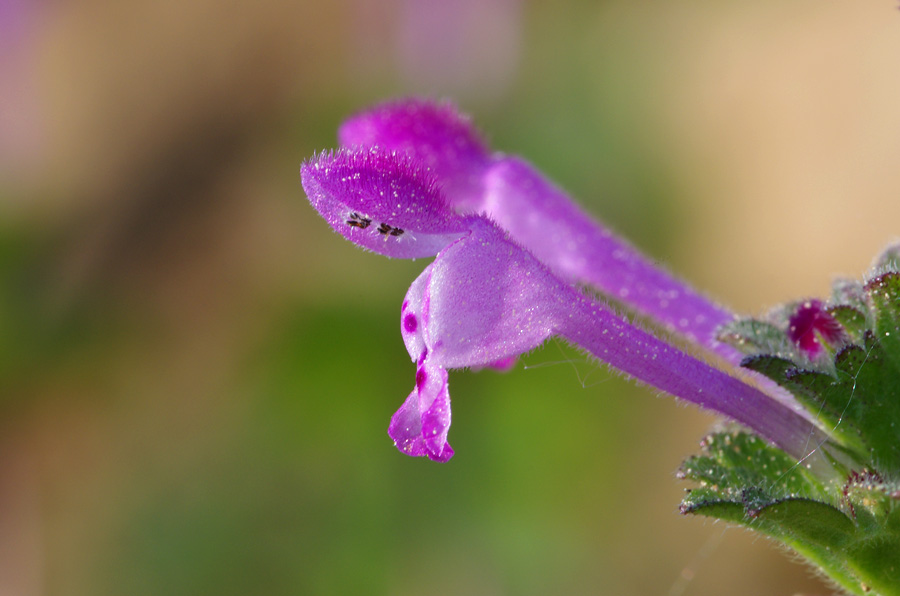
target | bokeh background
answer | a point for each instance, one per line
(196, 374)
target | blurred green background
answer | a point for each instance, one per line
(196, 374)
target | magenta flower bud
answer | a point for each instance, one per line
(810, 325)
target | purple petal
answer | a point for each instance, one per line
(419, 427)
(653, 361)
(435, 134)
(381, 201)
(544, 219)
(414, 316)
(487, 300)
(483, 301)
(502, 365)
(538, 215)
(541, 217)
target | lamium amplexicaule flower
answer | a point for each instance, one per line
(812, 456)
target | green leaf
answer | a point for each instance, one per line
(733, 462)
(883, 293)
(773, 367)
(834, 405)
(870, 389)
(851, 319)
(815, 530)
(709, 503)
(816, 391)
(808, 521)
(849, 292)
(877, 562)
(751, 336)
(852, 532)
(875, 556)
(849, 529)
(859, 405)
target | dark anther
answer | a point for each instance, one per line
(358, 221)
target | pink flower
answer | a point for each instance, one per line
(486, 298)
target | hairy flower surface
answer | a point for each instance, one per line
(821, 470)
(537, 214)
(486, 299)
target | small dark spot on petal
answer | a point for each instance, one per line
(410, 323)
(421, 378)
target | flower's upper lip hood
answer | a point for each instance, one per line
(381, 200)
(436, 134)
